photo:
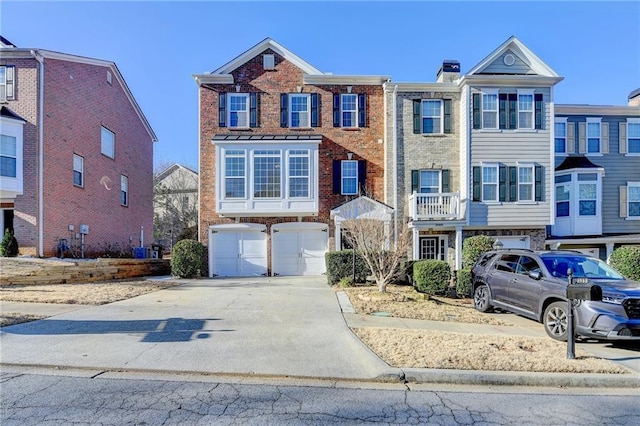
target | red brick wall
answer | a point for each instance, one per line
(336, 142)
(77, 102)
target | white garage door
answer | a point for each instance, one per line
(299, 248)
(237, 250)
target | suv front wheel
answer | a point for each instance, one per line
(556, 321)
(481, 298)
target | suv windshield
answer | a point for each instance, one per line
(582, 266)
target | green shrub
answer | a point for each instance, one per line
(346, 282)
(340, 265)
(9, 245)
(626, 260)
(431, 276)
(464, 286)
(187, 259)
(473, 248)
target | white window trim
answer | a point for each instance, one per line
(443, 245)
(531, 166)
(497, 183)
(342, 164)
(497, 110)
(533, 109)
(356, 124)
(247, 110)
(439, 172)
(631, 185)
(105, 131)
(441, 116)
(290, 155)
(290, 110)
(224, 172)
(281, 156)
(597, 120)
(631, 121)
(81, 170)
(562, 120)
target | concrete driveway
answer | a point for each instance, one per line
(266, 326)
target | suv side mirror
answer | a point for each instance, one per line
(536, 275)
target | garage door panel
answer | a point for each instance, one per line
(299, 252)
(238, 253)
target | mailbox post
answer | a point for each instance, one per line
(578, 289)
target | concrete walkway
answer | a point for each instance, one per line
(276, 326)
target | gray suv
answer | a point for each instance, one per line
(533, 284)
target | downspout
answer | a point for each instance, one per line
(40, 60)
(395, 165)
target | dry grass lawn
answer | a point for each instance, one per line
(463, 351)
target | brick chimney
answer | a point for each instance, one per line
(634, 98)
(449, 71)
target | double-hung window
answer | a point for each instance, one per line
(587, 194)
(490, 182)
(525, 109)
(490, 110)
(525, 183)
(238, 110)
(299, 108)
(78, 170)
(7, 83)
(235, 173)
(299, 173)
(563, 195)
(560, 132)
(431, 116)
(107, 142)
(349, 180)
(8, 156)
(633, 136)
(349, 109)
(633, 199)
(429, 181)
(593, 135)
(267, 173)
(124, 190)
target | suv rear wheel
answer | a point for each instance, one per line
(481, 297)
(556, 321)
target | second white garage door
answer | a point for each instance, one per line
(299, 248)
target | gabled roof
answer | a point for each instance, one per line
(7, 113)
(172, 169)
(362, 207)
(520, 53)
(265, 44)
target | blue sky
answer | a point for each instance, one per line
(158, 46)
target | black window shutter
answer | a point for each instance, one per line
(337, 175)
(253, 109)
(476, 111)
(284, 113)
(477, 183)
(362, 110)
(362, 177)
(336, 110)
(315, 107)
(513, 111)
(222, 109)
(445, 181)
(538, 100)
(415, 181)
(539, 187)
(416, 116)
(447, 115)
(502, 183)
(513, 183)
(503, 110)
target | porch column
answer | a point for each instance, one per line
(416, 244)
(387, 234)
(610, 247)
(337, 243)
(458, 248)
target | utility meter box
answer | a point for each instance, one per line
(84, 229)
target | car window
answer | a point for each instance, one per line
(486, 258)
(582, 266)
(508, 263)
(527, 264)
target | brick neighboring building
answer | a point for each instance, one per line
(282, 145)
(77, 153)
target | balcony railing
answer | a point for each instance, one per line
(440, 206)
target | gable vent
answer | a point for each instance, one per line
(269, 62)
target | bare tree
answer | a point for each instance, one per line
(372, 238)
(175, 200)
